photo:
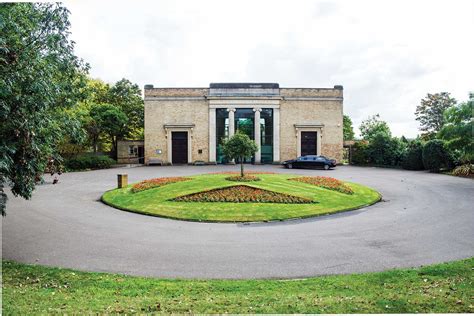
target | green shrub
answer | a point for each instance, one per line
(359, 154)
(413, 159)
(464, 170)
(435, 155)
(89, 162)
(385, 150)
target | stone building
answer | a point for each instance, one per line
(130, 151)
(185, 125)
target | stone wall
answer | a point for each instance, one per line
(328, 113)
(161, 112)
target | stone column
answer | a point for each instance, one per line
(319, 139)
(231, 122)
(212, 135)
(231, 126)
(257, 135)
(170, 147)
(190, 146)
(276, 135)
(298, 143)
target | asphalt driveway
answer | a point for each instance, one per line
(424, 219)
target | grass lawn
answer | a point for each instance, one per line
(442, 288)
(157, 201)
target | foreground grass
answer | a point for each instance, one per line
(29, 289)
(158, 201)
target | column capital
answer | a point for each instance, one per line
(257, 109)
(231, 110)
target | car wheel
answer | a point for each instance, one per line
(290, 166)
(326, 167)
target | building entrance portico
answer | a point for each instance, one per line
(250, 108)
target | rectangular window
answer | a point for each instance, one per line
(266, 135)
(222, 132)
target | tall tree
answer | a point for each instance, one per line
(95, 92)
(128, 97)
(458, 129)
(430, 112)
(110, 120)
(348, 130)
(40, 74)
(372, 126)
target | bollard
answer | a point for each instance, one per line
(122, 180)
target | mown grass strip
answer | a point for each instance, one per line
(441, 288)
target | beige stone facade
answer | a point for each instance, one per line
(190, 113)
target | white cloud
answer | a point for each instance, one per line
(387, 54)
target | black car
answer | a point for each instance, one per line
(310, 162)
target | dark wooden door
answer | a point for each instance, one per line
(179, 141)
(141, 154)
(308, 143)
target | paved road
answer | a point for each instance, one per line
(424, 219)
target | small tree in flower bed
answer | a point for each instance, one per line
(155, 183)
(239, 146)
(242, 194)
(327, 183)
(245, 178)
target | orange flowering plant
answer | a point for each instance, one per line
(240, 194)
(327, 183)
(247, 172)
(156, 182)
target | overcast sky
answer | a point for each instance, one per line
(386, 54)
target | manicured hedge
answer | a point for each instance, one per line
(413, 159)
(89, 162)
(435, 155)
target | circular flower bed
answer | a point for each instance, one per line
(211, 197)
(245, 178)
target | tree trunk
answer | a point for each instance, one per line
(242, 167)
(114, 147)
(95, 140)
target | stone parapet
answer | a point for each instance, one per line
(311, 92)
(176, 92)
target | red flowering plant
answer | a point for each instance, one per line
(242, 194)
(246, 172)
(155, 183)
(327, 183)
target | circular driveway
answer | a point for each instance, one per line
(424, 218)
